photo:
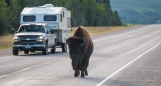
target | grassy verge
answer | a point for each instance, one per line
(102, 30)
(6, 41)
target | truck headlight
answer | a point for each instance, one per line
(16, 38)
(40, 38)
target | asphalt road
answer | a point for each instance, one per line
(130, 57)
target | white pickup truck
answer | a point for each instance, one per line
(52, 19)
(34, 37)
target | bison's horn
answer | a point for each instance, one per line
(83, 42)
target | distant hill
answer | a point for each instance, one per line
(138, 11)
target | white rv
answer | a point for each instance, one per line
(56, 18)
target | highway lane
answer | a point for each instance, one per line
(112, 52)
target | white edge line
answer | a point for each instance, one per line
(126, 65)
(4, 57)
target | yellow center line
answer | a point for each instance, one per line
(62, 58)
(2, 76)
(101, 48)
(47, 62)
(26, 68)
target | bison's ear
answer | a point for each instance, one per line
(82, 42)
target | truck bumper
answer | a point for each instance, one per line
(35, 47)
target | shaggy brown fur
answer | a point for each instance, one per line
(80, 50)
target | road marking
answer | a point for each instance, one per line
(126, 65)
(47, 62)
(31, 67)
(62, 58)
(2, 76)
(5, 57)
(118, 35)
(26, 69)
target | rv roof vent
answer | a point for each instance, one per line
(49, 5)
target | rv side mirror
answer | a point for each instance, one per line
(12, 31)
(52, 31)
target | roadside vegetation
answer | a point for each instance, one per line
(103, 30)
(6, 41)
(83, 12)
(95, 13)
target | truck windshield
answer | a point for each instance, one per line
(29, 28)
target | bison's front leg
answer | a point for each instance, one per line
(77, 73)
(83, 67)
(82, 73)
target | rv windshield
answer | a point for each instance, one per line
(29, 28)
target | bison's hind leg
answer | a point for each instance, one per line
(77, 73)
(86, 73)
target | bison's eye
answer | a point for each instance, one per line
(72, 56)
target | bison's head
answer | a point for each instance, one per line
(77, 48)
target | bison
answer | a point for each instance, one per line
(80, 50)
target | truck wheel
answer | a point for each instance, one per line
(15, 52)
(26, 51)
(64, 47)
(53, 50)
(45, 51)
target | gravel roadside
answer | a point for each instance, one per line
(5, 53)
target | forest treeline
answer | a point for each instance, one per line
(83, 12)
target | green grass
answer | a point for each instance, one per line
(6, 41)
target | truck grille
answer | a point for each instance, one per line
(28, 38)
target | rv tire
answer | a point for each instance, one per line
(53, 50)
(64, 47)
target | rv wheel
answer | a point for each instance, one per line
(64, 47)
(53, 50)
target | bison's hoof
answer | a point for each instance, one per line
(75, 75)
(82, 75)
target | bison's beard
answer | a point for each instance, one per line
(76, 64)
